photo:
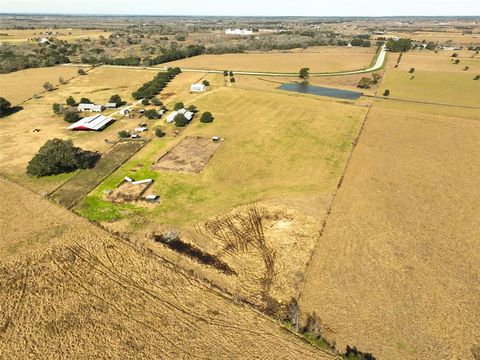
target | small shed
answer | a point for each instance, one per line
(124, 112)
(198, 88)
(111, 106)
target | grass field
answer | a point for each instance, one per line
(398, 262)
(442, 61)
(276, 151)
(326, 61)
(458, 89)
(20, 85)
(70, 290)
(19, 36)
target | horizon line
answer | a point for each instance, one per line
(239, 16)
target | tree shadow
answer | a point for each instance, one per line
(11, 111)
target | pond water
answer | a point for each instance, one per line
(320, 90)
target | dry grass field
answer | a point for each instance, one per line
(325, 61)
(70, 290)
(284, 152)
(442, 61)
(19, 36)
(98, 86)
(397, 269)
(20, 85)
(457, 89)
(457, 37)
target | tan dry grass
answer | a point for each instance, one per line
(86, 294)
(18, 36)
(20, 85)
(280, 62)
(396, 270)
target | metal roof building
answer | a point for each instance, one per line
(96, 123)
(188, 115)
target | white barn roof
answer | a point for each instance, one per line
(96, 122)
(197, 87)
(188, 115)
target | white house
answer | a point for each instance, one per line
(243, 32)
(198, 88)
(95, 123)
(90, 107)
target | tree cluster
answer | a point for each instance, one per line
(401, 45)
(59, 156)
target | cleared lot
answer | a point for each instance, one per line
(396, 271)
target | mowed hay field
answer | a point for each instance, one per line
(442, 61)
(284, 152)
(275, 144)
(20, 85)
(98, 85)
(324, 61)
(432, 81)
(70, 290)
(397, 269)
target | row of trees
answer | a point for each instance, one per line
(400, 45)
(153, 87)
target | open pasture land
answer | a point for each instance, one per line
(325, 61)
(20, 85)
(455, 89)
(457, 37)
(425, 60)
(396, 271)
(286, 153)
(98, 85)
(19, 36)
(72, 291)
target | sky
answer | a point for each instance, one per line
(247, 7)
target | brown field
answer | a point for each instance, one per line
(325, 61)
(82, 294)
(18, 36)
(98, 85)
(20, 85)
(191, 155)
(442, 61)
(396, 271)
(441, 36)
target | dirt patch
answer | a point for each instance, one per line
(191, 155)
(128, 192)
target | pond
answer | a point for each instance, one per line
(320, 90)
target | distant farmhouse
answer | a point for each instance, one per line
(243, 32)
(90, 107)
(198, 88)
(92, 123)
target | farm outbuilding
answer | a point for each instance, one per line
(198, 88)
(90, 107)
(95, 123)
(188, 115)
(111, 106)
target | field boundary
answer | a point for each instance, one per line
(330, 207)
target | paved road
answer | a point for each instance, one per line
(378, 65)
